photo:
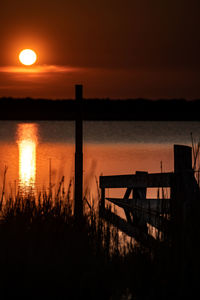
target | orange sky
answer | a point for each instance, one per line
(117, 49)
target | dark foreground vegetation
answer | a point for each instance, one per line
(99, 109)
(46, 253)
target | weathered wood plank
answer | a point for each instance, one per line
(132, 231)
(153, 205)
(137, 180)
(157, 221)
(148, 215)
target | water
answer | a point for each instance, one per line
(110, 148)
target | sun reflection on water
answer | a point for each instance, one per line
(27, 141)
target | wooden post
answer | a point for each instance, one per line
(182, 185)
(78, 205)
(181, 191)
(182, 171)
(139, 193)
(182, 158)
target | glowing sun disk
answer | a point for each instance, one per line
(27, 57)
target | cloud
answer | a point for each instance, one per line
(38, 69)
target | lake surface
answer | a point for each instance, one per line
(31, 149)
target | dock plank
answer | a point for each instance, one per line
(137, 180)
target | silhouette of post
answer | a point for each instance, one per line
(78, 205)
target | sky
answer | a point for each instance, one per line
(116, 49)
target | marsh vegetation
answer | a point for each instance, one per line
(46, 253)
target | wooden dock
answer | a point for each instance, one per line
(169, 216)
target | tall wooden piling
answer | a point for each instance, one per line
(78, 204)
(182, 191)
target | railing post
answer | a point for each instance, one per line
(182, 190)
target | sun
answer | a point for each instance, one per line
(27, 57)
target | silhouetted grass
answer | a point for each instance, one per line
(45, 253)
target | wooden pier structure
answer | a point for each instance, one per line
(169, 216)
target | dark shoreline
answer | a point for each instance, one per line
(100, 109)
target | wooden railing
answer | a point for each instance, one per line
(167, 215)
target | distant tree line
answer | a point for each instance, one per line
(100, 109)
